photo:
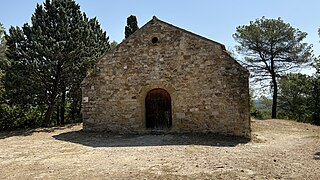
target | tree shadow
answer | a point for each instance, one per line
(7, 134)
(113, 140)
(28, 132)
(317, 156)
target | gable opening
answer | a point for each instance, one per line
(158, 109)
(154, 40)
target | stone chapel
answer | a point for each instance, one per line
(166, 79)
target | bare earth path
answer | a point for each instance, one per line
(280, 149)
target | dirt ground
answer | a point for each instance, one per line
(279, 149)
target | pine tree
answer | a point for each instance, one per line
(2, 48)
(51, 57)
(132, 26)
(3, 61)
(271, 48)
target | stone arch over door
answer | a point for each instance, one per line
(158, 109)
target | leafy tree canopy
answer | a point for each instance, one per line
(299, 98)
(3, 61)
(2, 49)
(271, 48)
(53, 54)
(132, 26)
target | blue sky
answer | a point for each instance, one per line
(216, 20)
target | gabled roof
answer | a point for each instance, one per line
(154, 19)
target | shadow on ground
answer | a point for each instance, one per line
(28, 132)
(111, 140)
(317, 156)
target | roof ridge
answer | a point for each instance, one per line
(154, 18)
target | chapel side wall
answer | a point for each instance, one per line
(237, 90)
(215, 97)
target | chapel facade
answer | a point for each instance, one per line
(164, 78)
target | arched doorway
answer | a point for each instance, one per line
(158, 109)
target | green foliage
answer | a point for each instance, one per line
(271, 48)
(3, 61)
(254, 109)
(262, 114)
(315, 99)
(132, 26)
(113, 44)
(16, 117)
(316, 65)
(299, 98)
(266, 102)
(49, 58)
(294, 96)
(2, 48)
(315, 83)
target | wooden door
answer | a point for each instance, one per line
(158, 109)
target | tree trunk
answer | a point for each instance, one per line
(58, 116)
(73, 110)
(62, 106)
(53, 98)
(79, 110)
(316, 110)
(274, 97)
(46, 121)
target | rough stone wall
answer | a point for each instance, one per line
(209, 90)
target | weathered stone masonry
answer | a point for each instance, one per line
(208, 89)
